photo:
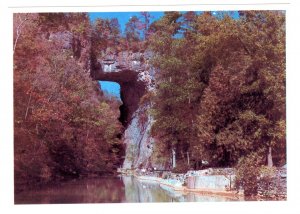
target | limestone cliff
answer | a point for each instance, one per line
(138, 141)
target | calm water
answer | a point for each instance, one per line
(109, 190)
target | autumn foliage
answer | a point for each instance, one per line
(64, 127)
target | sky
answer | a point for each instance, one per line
(113, 88)
(123, 17)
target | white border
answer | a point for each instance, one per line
(6, 111)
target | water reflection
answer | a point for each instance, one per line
(136, 191)
(109, 190)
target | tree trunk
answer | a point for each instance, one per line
(270, 160)
(173, 158)
(28, 104)
(188, 158)
(18, 31)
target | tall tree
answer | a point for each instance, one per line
(132, 29)
(174, 112)
(106, 35)
(145, 23)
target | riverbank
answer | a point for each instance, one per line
(177, 186)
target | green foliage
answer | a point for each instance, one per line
(253, 175)
(237, 104)
(220, 89)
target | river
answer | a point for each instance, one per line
(122, 189)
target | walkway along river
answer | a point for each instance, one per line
(119, 189)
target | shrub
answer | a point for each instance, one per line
(247, 174)
(266, 179)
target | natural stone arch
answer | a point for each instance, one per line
(131, 72)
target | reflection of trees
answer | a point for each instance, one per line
(137, 191)
(130, 189)
(100, 190)
(110, 190)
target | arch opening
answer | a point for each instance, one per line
(110, 88)
(128, 92)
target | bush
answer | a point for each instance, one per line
(247, 174)
(267, 175)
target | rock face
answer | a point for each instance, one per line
(138, 140)
(135, 76)
(80, 46)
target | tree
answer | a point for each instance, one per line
(174, 106)
(132, 29)
(106, 34)
(145, 24)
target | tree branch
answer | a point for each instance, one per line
(19, 28)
